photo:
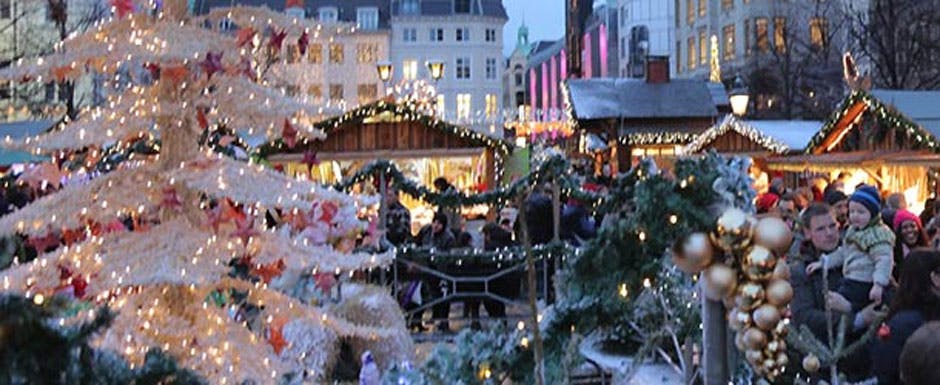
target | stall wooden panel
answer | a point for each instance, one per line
(733, 142)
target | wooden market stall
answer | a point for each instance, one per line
(424, 148)
(885, 137)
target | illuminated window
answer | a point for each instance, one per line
(367, 93)
(702, 7)
(315, 53)
(690, 11)
(761, 26)
(818, 29)
(367, 52)
(780, 34)
(441, 106)
(336, 53)
(336, 93)
(728, 39)
(727, 4)
(292, 53)
(692, 53)
(463, 106)
(702, 47)
(409, 70)
(315, 92)
(678, 60)
(491, 105)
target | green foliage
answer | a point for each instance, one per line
(34, 349)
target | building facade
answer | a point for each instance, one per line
(646, 29)
(339, 71)
(788, 51)
(514, 71)
(467, 35)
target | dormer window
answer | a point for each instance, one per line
(461, 6)
(410, 7)
(327, 14)
(367, 18)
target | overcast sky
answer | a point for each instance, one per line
(545, 19)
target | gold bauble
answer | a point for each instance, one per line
(759, 263)
(782, 271)
(719, 281)
(769, 364)
(755, 339)
(738, 320)
(811, 364)
(779, 293)
(782, 359)
(773, 233)
(739, 341)
(733, 230)
(749, 296)
(766, 317)
(782, 328)
(693, 253)
(776, 345)
(754, 357)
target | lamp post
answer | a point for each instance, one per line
(738, 96)
(385, 70)
(436, 69)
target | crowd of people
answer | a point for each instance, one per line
(871, 261)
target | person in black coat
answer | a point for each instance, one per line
(916, 302)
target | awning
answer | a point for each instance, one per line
(858, 159)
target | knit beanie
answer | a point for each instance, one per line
(868, 196)
(902, 216)
(834, 196)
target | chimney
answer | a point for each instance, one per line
(657, 69)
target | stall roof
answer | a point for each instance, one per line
(636, 99)
(839, 160)
(921, 107)
(778, 136)
(25, 128)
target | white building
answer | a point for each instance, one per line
(646, 28)
(467, 35)
(514, 71)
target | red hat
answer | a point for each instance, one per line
(902, 216)
(766, 202)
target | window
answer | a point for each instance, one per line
(225, 24)
(702, 47)
(367, 18)
(728, 39)
(50, 92)
(336, 53)
(440, 106)
(409, 35)
(316, 93)
(463, 106)
(463, 34)
(692, 53)
(315, 53)
(702, 7)
(462, 68)
(727, 4)
(336, 93)
(624, 15)
(747, 37)
(292, 54)
(761, 27)
(623, 47)
(780, 34)
(410, 7)
(367, 93)
(818, 30)
(519, 80)
(690, 11)
(491, 68)
(6, 9)
(327, 14)
(292, 90)
(409, 69)
(367, 52)
(437, 34)
(461, 6)
(491, 109)
(677, 18)
(490, 35)
(678, 57)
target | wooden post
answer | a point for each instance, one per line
(556, 211)
(715, 343)
(383, 204)
(530, 281)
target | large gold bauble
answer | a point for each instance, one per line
(766, 317)
(782, 271)
(733, 230)
(749, 296)
(759, 263)
(811, 364)
(693, 254)
(719, 281)
(779, 293)
(754, 357)
(773, 233)
(755, 339)
(738, 320)
(782, 359)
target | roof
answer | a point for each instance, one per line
(492, 8)
(635, 98)
(543, 50)
(921, 107)
(777, 136)
(856, 159)
(346, 8)
(25, 128)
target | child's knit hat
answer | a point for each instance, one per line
(867, 196)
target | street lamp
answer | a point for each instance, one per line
(436, 69)
(385, 70)
(738, 96)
